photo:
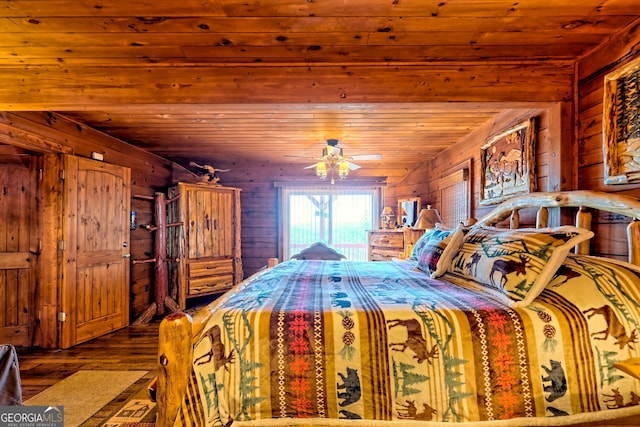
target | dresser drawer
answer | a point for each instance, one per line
(210, 276)
(381, 254)
(209, 268)
(210, 284)
(386, 245)
(394, 240)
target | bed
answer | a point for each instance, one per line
(483, 325)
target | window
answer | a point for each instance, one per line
(338, 217)
(455, 197)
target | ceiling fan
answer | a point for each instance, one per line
(333, 158)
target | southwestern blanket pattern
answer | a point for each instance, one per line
(382, 341)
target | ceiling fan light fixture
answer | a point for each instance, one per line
(343, 169)
(321, 170)
(333, 162)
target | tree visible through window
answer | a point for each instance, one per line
(339, 218)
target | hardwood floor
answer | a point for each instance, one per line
(131, 348)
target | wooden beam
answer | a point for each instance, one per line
(48, 88)
(30, 141)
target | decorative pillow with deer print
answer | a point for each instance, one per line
(517, 263)
(437, 249)
(428, 238)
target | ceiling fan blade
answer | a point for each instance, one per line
(311, 166)
(366, 157)
(352, 166)
(293, 156)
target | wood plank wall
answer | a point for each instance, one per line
(564, 160)
(259, 207)
(150, 173)
(418, 184)
(591, 70)
(259, 225)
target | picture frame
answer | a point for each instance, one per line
(621, 125)
(508, 163)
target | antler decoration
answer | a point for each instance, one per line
(210, 173)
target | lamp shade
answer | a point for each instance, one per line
(387, 210)
(427, 219)
(386, 216)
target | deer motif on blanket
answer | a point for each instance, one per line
(410, 412)
(614, 327)
(616, 400)
(506, 267)
(217, 352)
(415, 340)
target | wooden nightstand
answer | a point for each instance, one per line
(385, 245)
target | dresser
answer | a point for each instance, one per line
(385, 245)
(205, 251)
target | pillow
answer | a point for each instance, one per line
(437, 252)
(434, 235)
(518, 263)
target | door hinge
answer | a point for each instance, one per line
(61, 174)
(61, 245)
(62, 316)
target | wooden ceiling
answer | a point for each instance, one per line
(251, 83)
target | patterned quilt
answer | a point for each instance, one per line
(381, 341)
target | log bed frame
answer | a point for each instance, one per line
(177, 331)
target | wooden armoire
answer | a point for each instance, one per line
(204, 253)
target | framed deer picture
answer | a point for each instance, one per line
(621, 125)
(508, 163)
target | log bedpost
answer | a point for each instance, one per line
(583, 220)
(633, 240)
(542, 217)
(272, 262)
(514, 220)
(175, 355)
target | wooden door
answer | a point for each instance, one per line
(95, 287)
(18, 249)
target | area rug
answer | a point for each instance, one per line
(137, 411)
(85, 392)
